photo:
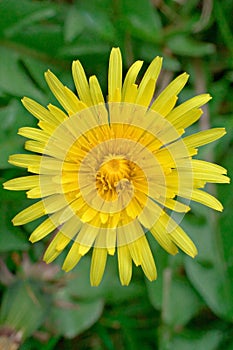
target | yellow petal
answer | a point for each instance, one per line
(148, 264)
(38, 111)
(145, 97)
(152, 72)
(55, 203)
(98, 262)
(95, 90)
(34, 134)
(22, 183)
(162, 237)
(86, 238)
(55, 248)
(57, 113)
(81, 83)
(187, 118)
(24, 160)
(203, 137)
(115, 76)
(130, 80)
(176, 205)
(167, 107)
(72, 258)
(206, 199)
(46, 188)
(46, 227)
(202, 165)
(135, 252)
(168, 96)
(180, 238)
(71, 227)
(29, 214)
(65, 96)
(35, 146)
(124, 265)
(195, 102)
(131, 93)
(111, 240)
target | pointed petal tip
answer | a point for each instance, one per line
(5, 185)
(208, 97)
(193, 253)
(115, 49)
(66, 267)
(31, 239)
(15, 222)
(48, 74)
(95, 282)
(152, 278)
(124, 283)
(75, 62)
(34, 238)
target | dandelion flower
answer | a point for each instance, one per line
(108, 174)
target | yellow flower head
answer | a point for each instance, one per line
(108, 173)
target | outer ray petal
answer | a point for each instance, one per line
(81, 83)
(130, 80)
(72, 258)
(24, 160)
(22, 183)
(95, 91)
(124, 265)
(98, 262)
(152, 72)
(168, 95)
(55, 248)
(34, 134)
(46, 227)
(162, 237)
(66, 97)
(206, 199)
(145, 97)
(29, 214)
(195, 102)
(115, 76)
(38, 111)
(203, 137)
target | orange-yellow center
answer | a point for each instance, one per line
(113, 176)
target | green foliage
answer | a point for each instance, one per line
(190, 306)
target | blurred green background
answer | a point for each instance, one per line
(190, 306)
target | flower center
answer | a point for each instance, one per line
(114, 177)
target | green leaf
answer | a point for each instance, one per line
(11, 237)
(12, 117)
(18, 15)
(85, 47)
(88, 21)
(23, 308)
(208, 340)
(211, 271)
(74, 24)
(172, 292)
(32, 343)
(186, 46)
(110, 287)
(36, 69)
(13, 78)
(70, 318)
(155, 289)
(148, 26)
